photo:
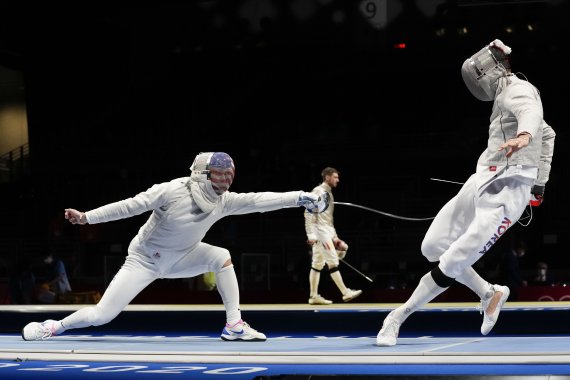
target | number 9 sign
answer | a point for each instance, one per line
(375, 12)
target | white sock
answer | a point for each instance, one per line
(337, 278)
(314, 279)
(473, 281)
(227, 285)
(83, 317)
(426, 291)
(58, 328)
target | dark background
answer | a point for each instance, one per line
(121, 98)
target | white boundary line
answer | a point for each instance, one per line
(361, 307)
(309, 358)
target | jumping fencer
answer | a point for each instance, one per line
(510, 173)
(169, 244)
(327, 247)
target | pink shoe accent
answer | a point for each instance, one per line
(237, 323)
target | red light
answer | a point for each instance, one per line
(400, 45)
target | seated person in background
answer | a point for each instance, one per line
(56, 282)
(542, 277)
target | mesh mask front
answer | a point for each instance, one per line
(216, 169)
(481, 72)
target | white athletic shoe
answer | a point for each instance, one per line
(389, 332)
(319, 300)
(39, 331)
(242, 331)
(351, 294)
(490, 308)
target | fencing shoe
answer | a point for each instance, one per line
(319, 300)
(242, 331)
(39, 331)
(351, 294)
(491, 307)
(389, 332)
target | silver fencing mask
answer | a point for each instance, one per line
(215, 167)
(482, 71)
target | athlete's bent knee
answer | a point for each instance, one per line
(440, 278)
(318, 266)
(430, 251)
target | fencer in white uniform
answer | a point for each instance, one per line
(511, 173)
(169, 244)
(327, 248)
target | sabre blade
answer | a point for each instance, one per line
(447, 181)
(356, 270)
(382, 212)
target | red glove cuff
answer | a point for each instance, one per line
(536, 200)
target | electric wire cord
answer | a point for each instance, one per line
(527, 218)
(523, 220)
(383, 213)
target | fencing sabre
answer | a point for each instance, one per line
(382, 212)
(356, 270)
(445, 180)
(378, 212)
(397, 216)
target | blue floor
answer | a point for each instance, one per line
(124, 370)
(300, 343)
(341, 349)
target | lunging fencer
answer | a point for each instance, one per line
(169, 244)
(327, 247)
(510, 173)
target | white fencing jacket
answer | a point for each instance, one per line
(177, 224)
(518, 108)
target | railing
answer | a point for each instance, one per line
(14, 165)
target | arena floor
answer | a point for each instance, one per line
(191, 350)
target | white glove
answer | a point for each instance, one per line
(498, 43)
(313, 203)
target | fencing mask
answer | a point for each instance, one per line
(482, 71)
(212, 175)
